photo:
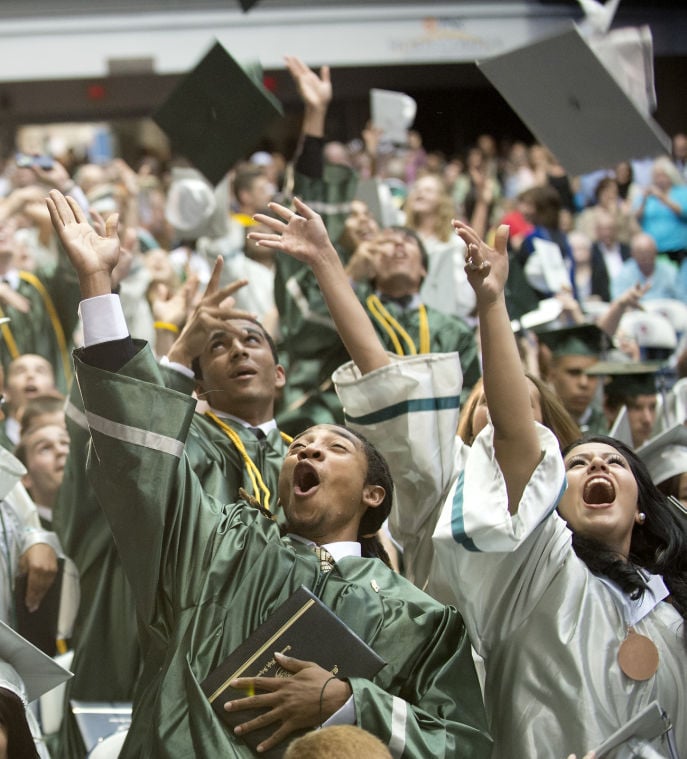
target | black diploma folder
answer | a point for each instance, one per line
(303, 628)
(40, 627)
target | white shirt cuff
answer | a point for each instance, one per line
(181, 368)
(103, 319)
(343, 716)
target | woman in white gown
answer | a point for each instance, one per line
(575, 597)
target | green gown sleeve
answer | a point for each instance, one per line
(107, 657)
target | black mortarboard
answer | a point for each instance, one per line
(579, 340)
(628, 378)
(217, 114)
(570, 101)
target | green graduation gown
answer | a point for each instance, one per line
(47, 328)
(447, 334)
(107, 657)
(205, 575)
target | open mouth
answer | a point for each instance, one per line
(598, 491)
(243, 373)
(305, 478)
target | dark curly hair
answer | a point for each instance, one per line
(378, 473)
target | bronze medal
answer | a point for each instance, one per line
(638, 656)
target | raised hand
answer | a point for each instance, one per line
(173, 307)
(486, 267)
(361, 265)
(299, 233)
(315, 91)
(214, 311)
(304, 700)
(93, 256)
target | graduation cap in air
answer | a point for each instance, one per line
(24, 669)
(665, 455)
(628, 379)
(565, 93)
(217, 113)
(579, 340)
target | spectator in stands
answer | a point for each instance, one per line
(662, 211)
(644, 267)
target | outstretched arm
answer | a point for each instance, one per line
(93, 256)
(304, 237)
(627, 301)
(516, 444)
(315, 92)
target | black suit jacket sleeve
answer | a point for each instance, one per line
(111, 355)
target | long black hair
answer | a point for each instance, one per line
(659, 545)
(20, 744)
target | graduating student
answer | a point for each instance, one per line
(569, 352)
(205, 574)
(24, 545)
(631, 389)
(404, 319)
(38, 310)
(235, 444)
(574, 597)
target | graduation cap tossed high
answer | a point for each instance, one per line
(665, 455)
(217, 114)
(564, 92)
(24, 669)
(579, 340)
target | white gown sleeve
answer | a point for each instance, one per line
(498, 565)
(409, 411)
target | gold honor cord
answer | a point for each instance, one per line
(253, 472)
(54, 320)
(387, 322)
(8, 337)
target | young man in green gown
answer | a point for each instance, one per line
(235, 445)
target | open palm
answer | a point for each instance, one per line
(315, 90)
(91, 254)
(486, 267)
